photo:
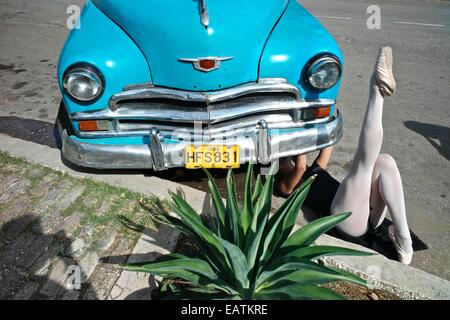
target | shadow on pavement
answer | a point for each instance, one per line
(433, 132)
(30, 130)
(34, 265)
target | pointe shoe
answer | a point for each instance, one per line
(404, 257)
(383, 74)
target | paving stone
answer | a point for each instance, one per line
(3, 242)
(12, 211)
(36, 173)
(58, 196)
(121, 252)
(71, 295)
(105, 206)
(90, 201)
(101, 283)
(27, 291)
(11, 253)
(138, 285)
(52, 219)
(8, 181)
(133, 286)
(32, 253)
(44, 185)
(49, 200)
(65, 184)
(76, 248)
(13, 169)
(87, 265)
(105, 242)
(49, 222)
(44, 263)
(17, 188)
(9, 279)
(56, 283)
(17, 225)
(154, 243)
(71, 223)
(70, 197)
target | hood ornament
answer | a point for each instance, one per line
(206, 64)
(204, 16)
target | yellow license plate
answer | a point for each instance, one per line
(212, 156)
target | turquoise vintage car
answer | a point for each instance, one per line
(197, 83)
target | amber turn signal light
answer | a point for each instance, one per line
(92, 125)
(316, 113)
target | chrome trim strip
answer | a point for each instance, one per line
(101, 156)
(138, 86)
(219, 131)
(149, 92)
(211, 114)
(204, 16)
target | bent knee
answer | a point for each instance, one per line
(387, 162)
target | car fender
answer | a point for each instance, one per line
(103, 44)
(297, 38)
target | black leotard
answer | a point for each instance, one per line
(322, 192)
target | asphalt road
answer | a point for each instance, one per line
(416, 120)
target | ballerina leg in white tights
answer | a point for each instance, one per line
(373, 185)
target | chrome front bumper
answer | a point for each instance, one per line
(263, 145)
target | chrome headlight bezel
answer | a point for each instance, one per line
(88, 71)
(319, 62)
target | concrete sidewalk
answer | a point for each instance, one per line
(407, 282)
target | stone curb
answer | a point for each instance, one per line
(405, 281)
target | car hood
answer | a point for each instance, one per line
(169, 30)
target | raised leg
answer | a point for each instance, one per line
(354, 193)
(374, 180)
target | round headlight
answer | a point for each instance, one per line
(324, 73)
(83, 83)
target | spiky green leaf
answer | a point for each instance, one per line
(306, 235)
(239, 264)
(219, 206)
(232, 211)
(247, 210)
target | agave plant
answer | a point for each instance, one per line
(249, 253)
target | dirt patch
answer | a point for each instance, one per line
(11, 68)
(355, 292)
(19, 85)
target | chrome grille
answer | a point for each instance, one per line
(139, 109)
